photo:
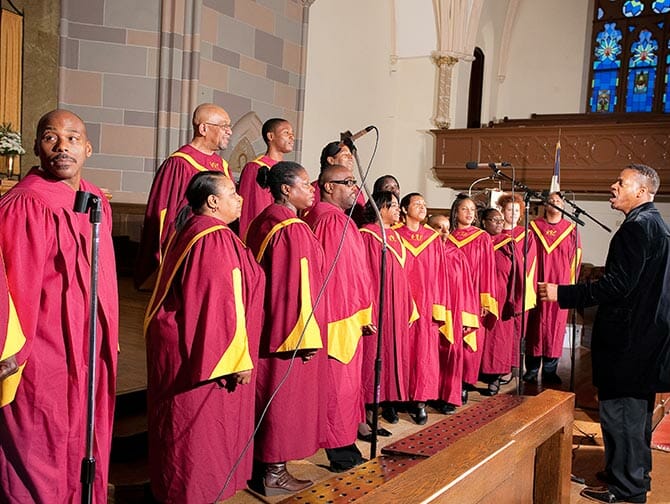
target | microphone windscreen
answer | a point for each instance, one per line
(471, 165)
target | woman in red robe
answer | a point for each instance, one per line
(499, 345)
(510, 206)
(427, 278)
(202, 329)
(292, 368)
(399, 308)
(477, 246)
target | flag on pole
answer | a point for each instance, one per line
(556, 177)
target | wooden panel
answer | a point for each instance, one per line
(474, 468)
(497, 464)
(591, 155)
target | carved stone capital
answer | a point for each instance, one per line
(307, 3)
(441, 59)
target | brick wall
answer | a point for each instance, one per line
(134, 71)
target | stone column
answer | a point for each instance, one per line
(445, 65)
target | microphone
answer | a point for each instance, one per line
(355, 136)
(473, 165)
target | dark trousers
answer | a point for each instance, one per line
(549, 364)
(626, 426)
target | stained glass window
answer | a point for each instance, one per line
(642, 73)
(630, 65)
(606, 69)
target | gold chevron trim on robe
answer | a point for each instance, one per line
(158, 297)
(415, 251)
(401, 258)
(502, 243)
(551, 247)
(306, 334)
(236, 357)
(273, 231)
(13, 344)
(197, 165)
(462, 243)
(344, 335)
(442, 314)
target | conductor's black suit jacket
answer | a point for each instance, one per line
(632, 323)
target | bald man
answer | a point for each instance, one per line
(211, 133)
(43, 383)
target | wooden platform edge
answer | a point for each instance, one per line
(525, 456)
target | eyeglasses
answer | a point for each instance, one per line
(496, 221)
(222, 126)
(347, 182)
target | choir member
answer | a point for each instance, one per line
(202, 330)
(48, 260)
(349, 293)
(342, 154)
(559, 258)
(510, 206)
(427, 278)
(211, 132)
(279, 137)
(292, 368)
(478, 248)
(499, 348)
(399, 309)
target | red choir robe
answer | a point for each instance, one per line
(559, 259)
(166, 198)
(203, 323)
(478, 249)
(427, 278)
(499, 342)
(464, 307)
(292, 258)
(358, 212)
(47, 256)
(531, 282)
(12, 337)
(255, 198)
(399, 313)
(349, 296)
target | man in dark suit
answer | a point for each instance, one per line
(631, 328)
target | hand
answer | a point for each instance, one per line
(369, 329)
(547, 291)
(306, 355)
(243, 377)
(8, 367)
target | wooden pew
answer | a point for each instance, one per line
(522, 456)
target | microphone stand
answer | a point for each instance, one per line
(574, 217)
(91, 203)
(380, 318)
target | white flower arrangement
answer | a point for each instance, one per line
(10, 141)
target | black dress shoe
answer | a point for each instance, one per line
(551, 379)
(464, 396)
(602, 494)
(365, 437)
(448, 409)
(419, 415)
(390, 414)
(381, 431)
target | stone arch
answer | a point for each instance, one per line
(246, 132)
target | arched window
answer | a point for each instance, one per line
(630, 58)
